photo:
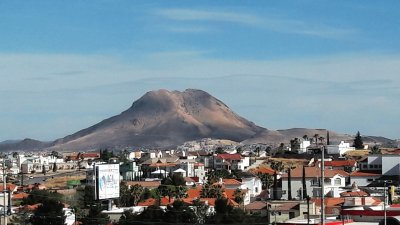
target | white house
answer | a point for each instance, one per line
(334, 181)
(339, 149)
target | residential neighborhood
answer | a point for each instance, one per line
(275, 188)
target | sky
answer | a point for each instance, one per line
(67, 65)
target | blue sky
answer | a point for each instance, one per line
(66, 65)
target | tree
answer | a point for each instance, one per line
(201, 210)
(375, 150)
(239, 195)
(55, 154)
(105, 155)
(266, 180)
(22, 218)
(44, 169)
(305, 137)
(219, 150)
(88, 196)
(295, 144)
(239, 150)
(321, 140)
(95, 216)
(225, 213)
(211, 191)
(136, 192)
(128, 218)
(40, 196)
(124, 195)
(289, 171)
(277, 166)
(358, 142)
(54, 167)
(316, 136)
(50, 212)
(152, 213)
(303, 182)
(179, 212)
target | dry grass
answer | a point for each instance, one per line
(61, 182)
(357, 153)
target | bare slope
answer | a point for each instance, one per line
(163, 118)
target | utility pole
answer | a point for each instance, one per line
(322, 185)
(384, 202)
(4, 192)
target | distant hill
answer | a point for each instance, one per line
(162, 119)
(26, 144)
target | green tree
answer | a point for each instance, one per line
(358, 142)
(124, 195)
(201, 210)
(105, 155)
(22, 218)
(95, 216)
(136, 192)
(179, 212)
(128, 218)
(54, 167)
(88, 196)
(50, 212)
(152, 213)
(40, 196)
(239, 195)
(226, 214)
(266, 180)
(375, 150)
(44, 169)
(211, 191)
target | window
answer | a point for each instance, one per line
(327, 181)
(375, 166)
(371, 166)
(370, 179)
(364, 166)
(338, 181)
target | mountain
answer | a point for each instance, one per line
(26, 144)
(163, 118)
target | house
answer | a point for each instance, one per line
(231, 162)
(130, 171)
(339, 149)
(364, 178)
(346, 165)
(253, 185)
(284, 210)
(335, 181)
(375, 162)
(259, 208)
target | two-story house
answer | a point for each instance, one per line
(231, 162)
(334, 182)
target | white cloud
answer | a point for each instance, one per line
(268, 22)
(266, 92)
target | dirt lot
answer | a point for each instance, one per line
(61, 182)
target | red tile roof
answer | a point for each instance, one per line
(19, 196)
(227, 156)
(194, 192)
(263, 170)
(329, 201)
(340, 163)
(366, 174)
(9, 186)
(312, 172)
(231, 182)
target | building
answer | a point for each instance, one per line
(339, 149)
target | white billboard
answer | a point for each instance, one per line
(107, 181)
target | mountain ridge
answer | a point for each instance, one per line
(162, 119)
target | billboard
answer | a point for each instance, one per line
(107, 181)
